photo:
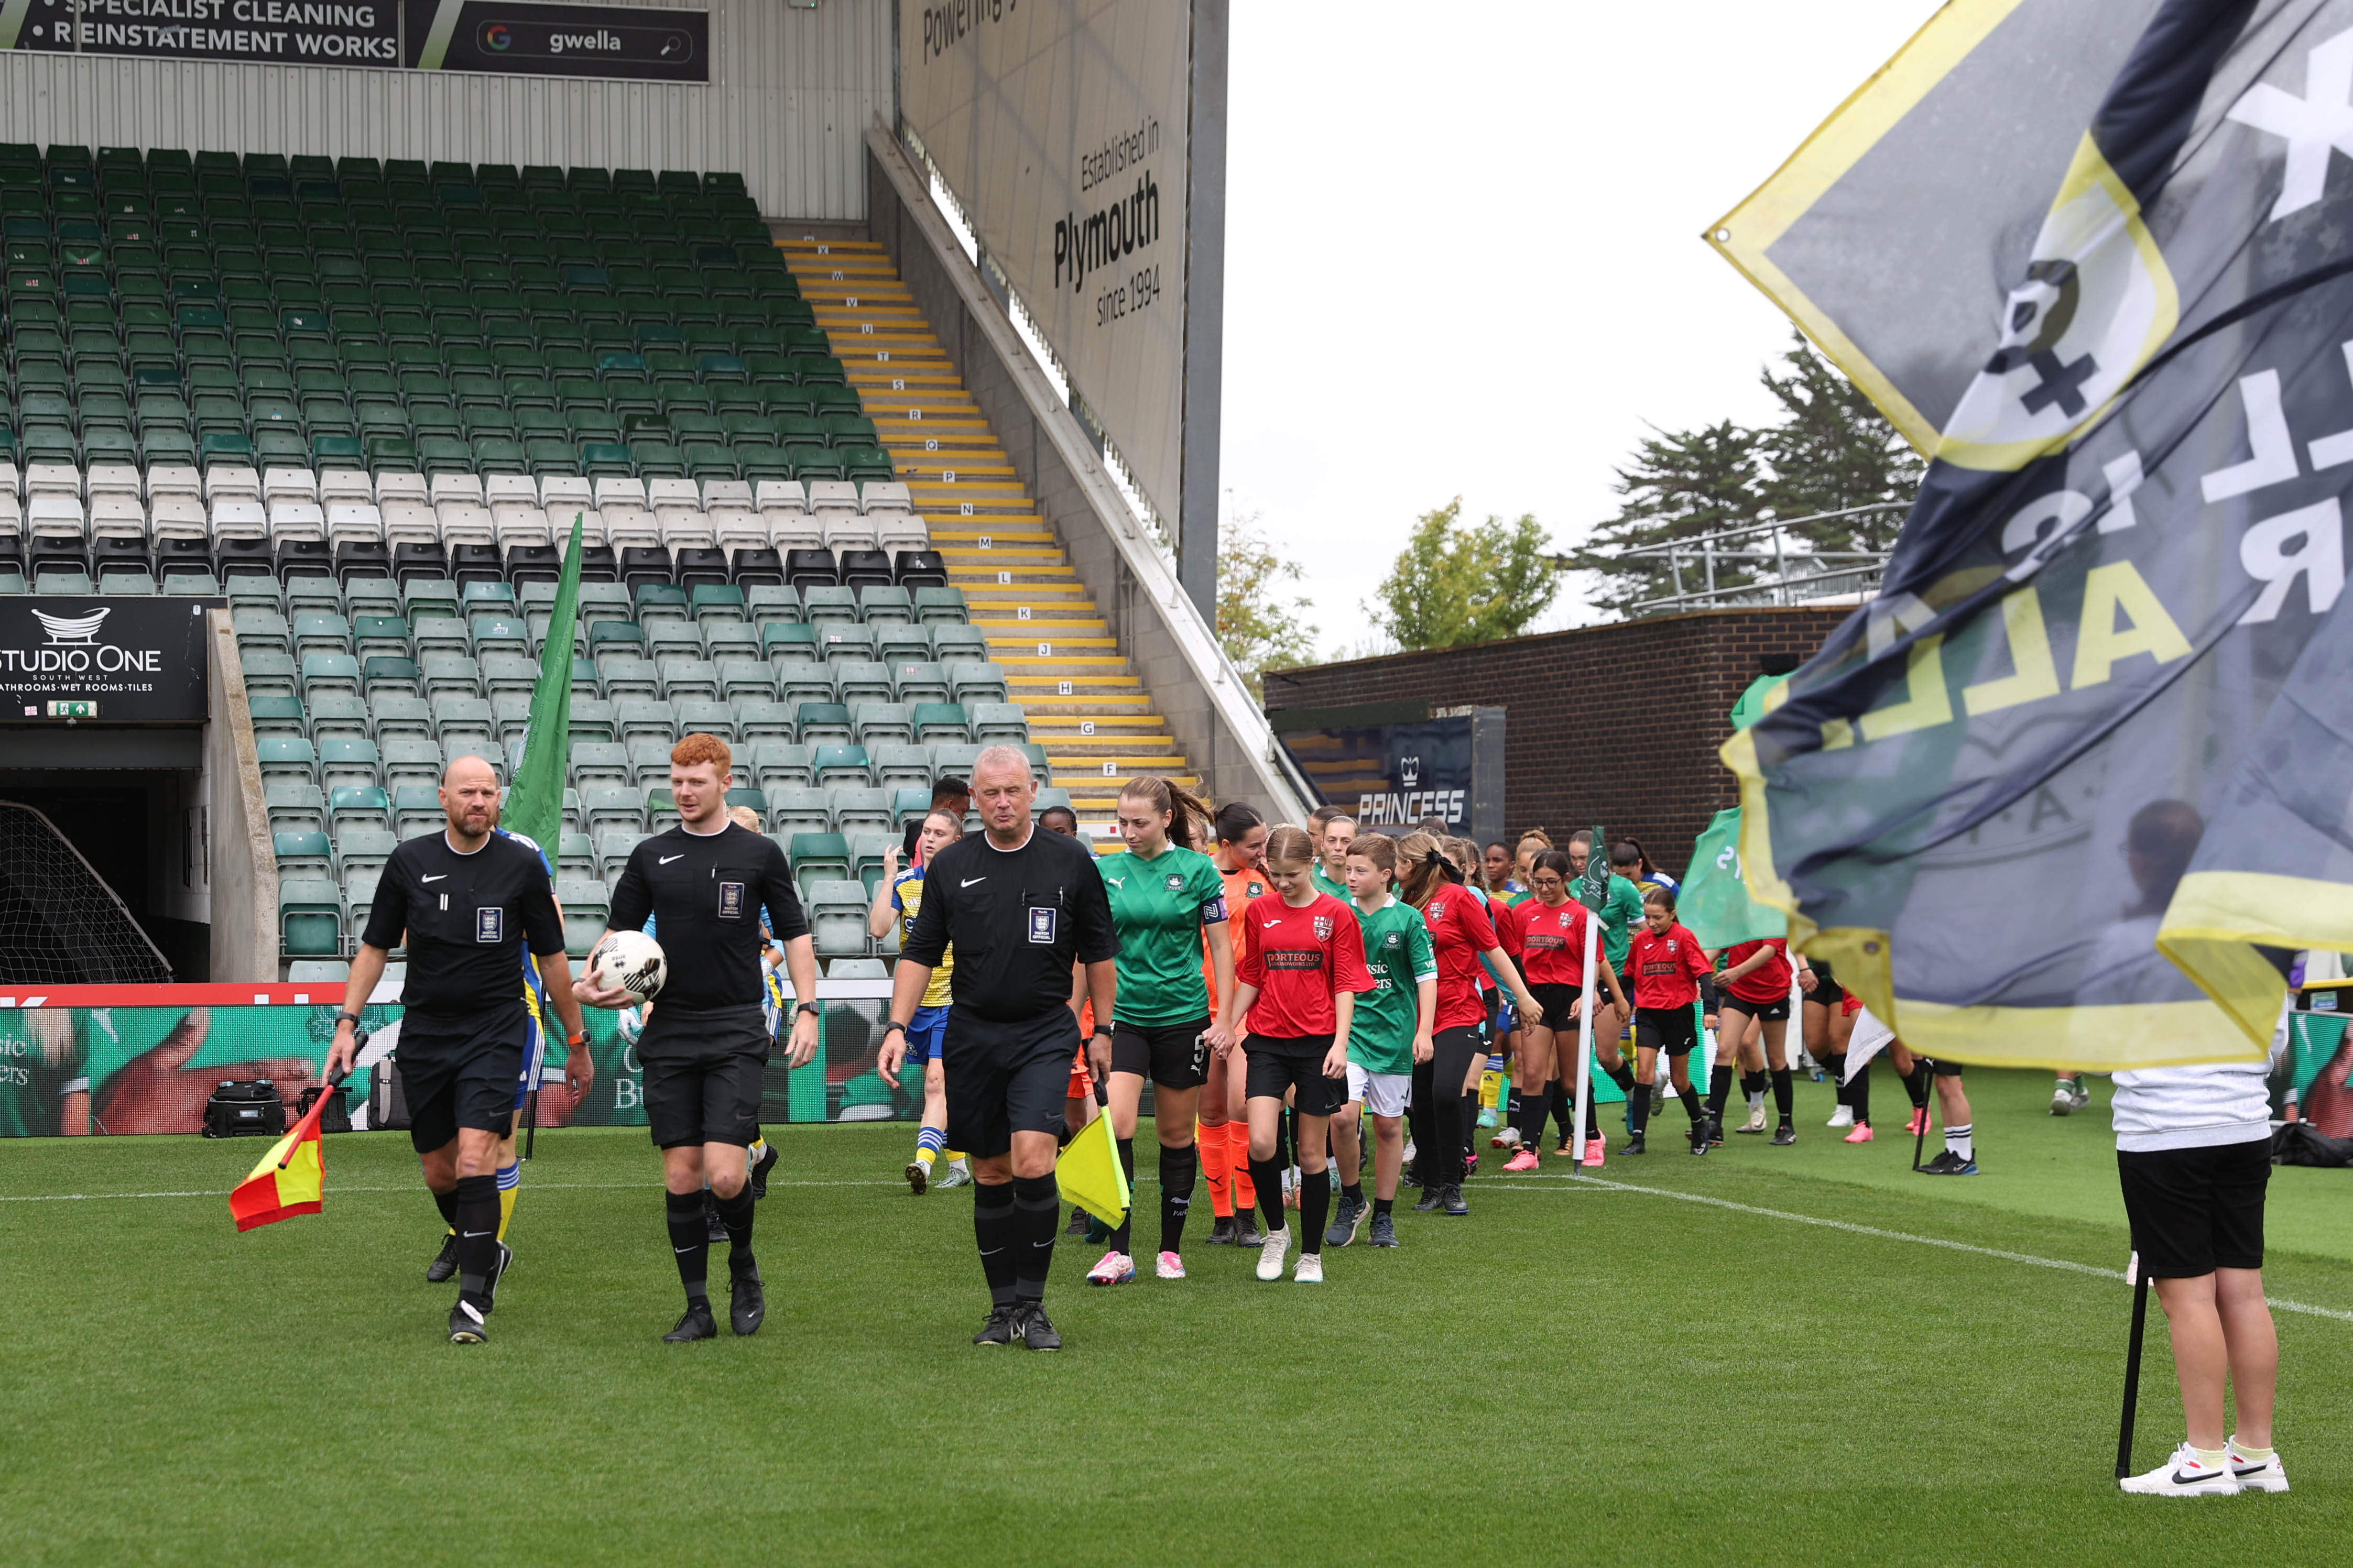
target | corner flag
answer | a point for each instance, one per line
(2065, 791)
(291, 1178)
(1090, 1176)
(535, 805)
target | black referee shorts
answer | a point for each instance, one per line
(1668, 1029)
(1006, 1078)
(2197, 1210)
(462, 1072)
(702, 1072)
(1170, 1055)
(1296, 1066)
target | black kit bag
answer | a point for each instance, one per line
(245, 1108)
(336, 1117)
(387, 1103)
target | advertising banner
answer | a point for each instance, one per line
(1386, 772)
(116, 1060)
(1061, 125)
(517, 37)
(139, 661)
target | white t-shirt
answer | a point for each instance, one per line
(2200, 1107)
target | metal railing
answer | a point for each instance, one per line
(1788, 572)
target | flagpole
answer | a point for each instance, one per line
(319, 1110)
(1584, 1044)
(2132, 1367)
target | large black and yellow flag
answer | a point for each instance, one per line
(2065, 790)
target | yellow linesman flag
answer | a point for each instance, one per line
(291, 1178)
(1090, 1175)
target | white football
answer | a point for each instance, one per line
(633, 962)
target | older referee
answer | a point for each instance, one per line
(1021, 907)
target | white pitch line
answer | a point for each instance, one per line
(339, 1188)
(1878, 1234)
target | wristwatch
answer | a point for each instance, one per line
(350, 1018)
(578, 1037)
(811, 1008)
(893, 1024)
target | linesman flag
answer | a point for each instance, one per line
(1088, 1171)
(291, 1178)
(2065, 791)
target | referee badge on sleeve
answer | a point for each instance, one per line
(1041, 926)
(491, 925)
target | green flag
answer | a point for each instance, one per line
(534, 806)
(1751, 706)
(1715, 903)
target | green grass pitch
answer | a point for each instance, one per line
(1577, 1373)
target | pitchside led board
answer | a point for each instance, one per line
(516, 36)
(117, 661)
(1061, 126)
(92, 1060)
(1390, 764)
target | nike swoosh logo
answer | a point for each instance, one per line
(969, 881)
(435, 878)
(681, 1251)
(666, 859)
(472, 1234)
(990, 1251)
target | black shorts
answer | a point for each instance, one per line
(1559, 1004)
(1827, 992)
(1170, 1055)
(1942, 1069)
(2197, 1210)
(703, 1073)
(1277, 1065)
(1669, 1029)
(460, 1072)
(1774, 1012)
(1006, 1078)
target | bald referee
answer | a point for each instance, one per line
(468, 898)
(1020, 906)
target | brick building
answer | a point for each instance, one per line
(1617, 724)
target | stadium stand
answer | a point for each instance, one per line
(366, 402)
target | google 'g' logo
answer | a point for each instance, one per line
(497, 36)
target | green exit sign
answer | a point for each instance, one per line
(73, 709)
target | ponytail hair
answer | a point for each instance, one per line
(1189, 821)
(1427, 869)
(1468, 858)
(1234, 820)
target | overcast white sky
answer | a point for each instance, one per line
(1462, 252)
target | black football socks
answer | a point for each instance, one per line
(689, 1243)
(1178, 1167)
(1037, 1219)
(476, 1218)
(995, 1230)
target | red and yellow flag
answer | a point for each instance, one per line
(291, 1179)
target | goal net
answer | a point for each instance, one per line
(60, 924)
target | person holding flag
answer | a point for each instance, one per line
(464, 897)
(1546, 936)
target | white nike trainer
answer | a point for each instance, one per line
(2183, 1475)
(1270, 1256)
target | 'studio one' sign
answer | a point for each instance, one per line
(132, 661)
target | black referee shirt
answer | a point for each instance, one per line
(705, 891)
(1019, 919)
(469, 918)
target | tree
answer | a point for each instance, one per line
(1680, 485)
(1259, 625)
(1453, 584)
(1832, 450)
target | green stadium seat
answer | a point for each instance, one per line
(311, 915)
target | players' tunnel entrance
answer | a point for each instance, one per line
(141, 831)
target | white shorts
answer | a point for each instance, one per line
(1383, 1092)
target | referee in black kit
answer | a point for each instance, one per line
(705, 1045)
(1021, 907)
(470, 899)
